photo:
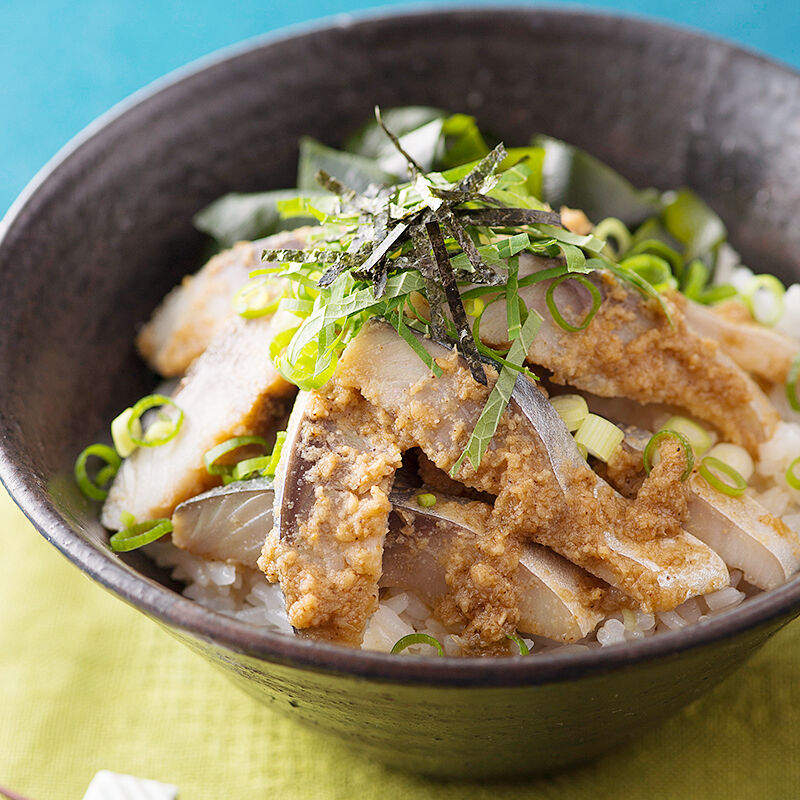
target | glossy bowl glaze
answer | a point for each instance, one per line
(105, 230)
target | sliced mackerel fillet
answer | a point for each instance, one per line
(630, 349)
(545, 490)
(739, 529)
(331, 514)
(761, 351)
(189, 317)
(227, 523)
(233, 389)
(425, 547)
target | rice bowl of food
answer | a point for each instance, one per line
(464, 423)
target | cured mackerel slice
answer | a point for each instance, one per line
(228, 523)
(739, 529)
(425, 546)
(233, 389)
(761, 351)
(744, 534)
(545, 490)
(331, 514)
(189, 317)
(630, 349)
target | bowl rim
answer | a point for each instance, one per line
(184, 616)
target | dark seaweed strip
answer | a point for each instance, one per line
(433, 289)
(482, 170)
(507, 217)
(414, 167)
(335, 257)
(482, 274)
(466, 344)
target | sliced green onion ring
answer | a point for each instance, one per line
(597, 299)
(709, 469)
(572, 408)
(654, 269)
(474, 306)
(212, 456)
(791, 384)
(656, 247)
(123, 442)
(734, 456)
(139, 535)
(145, 404)
(618, 231)
(250, 467)
(280, 439)
(699, 438)
(416, 638)
(650, 450)
(770, 284)
(599, 436)
(792, 478)
(426, 500)
(523, 648)
(256, 299)
(94, 488)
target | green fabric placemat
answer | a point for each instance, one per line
(87, 683)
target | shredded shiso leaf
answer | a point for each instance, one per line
(450, 238)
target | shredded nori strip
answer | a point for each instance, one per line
(507, 217)
(466, 342)
(433, 289)
(483, 274)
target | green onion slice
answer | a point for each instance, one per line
(212, 456)
(734, 456)
(758, 286)
(791, 384)
(139, 535)
(654, 269)
(599, 436)
(280, 439)
(416, 638)
(426, 500)
(792, 478)
(523, 648)
(618, 231)
(716, 471)
(699, 438)
(650, 450)
(94, 488)
(572, 408)
(145, 404)
(256, 298)
(250, 467)
(123, 442)
(597, 299)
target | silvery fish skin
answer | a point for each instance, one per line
(228, 523)
(233, 389)
(557, 600)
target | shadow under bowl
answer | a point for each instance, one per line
(105, 230)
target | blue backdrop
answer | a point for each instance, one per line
(64, 62)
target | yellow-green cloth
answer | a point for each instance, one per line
(87, 683)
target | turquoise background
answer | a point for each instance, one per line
(63, 63)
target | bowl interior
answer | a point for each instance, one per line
(107, 230)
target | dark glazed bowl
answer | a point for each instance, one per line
(105, 230)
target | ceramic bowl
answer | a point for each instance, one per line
(105, 230)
